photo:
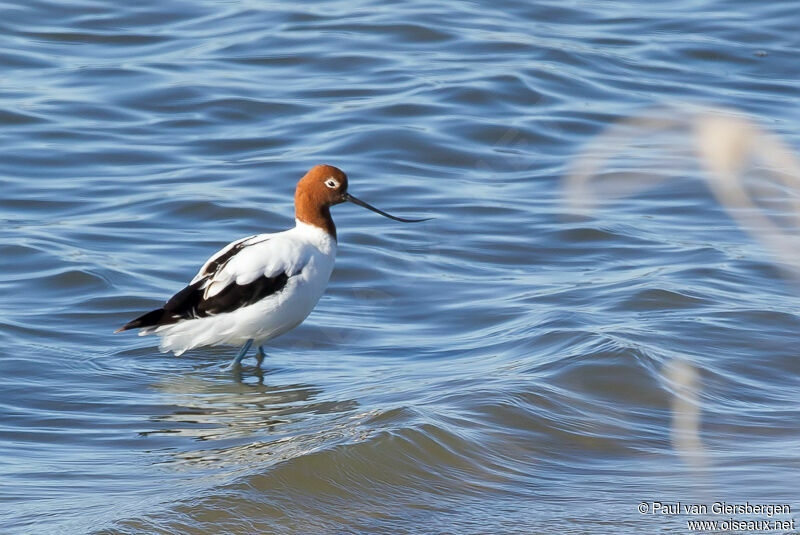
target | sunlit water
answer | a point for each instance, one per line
(499, 369)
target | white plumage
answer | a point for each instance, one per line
(305, 253)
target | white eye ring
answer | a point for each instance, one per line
(331, 183)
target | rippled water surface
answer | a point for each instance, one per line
(503, 368)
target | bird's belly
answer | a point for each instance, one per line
(261, 321)
(281, 312)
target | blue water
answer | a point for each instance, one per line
(503, 368)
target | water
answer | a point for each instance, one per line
(503, 368)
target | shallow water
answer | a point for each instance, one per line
(500, 369)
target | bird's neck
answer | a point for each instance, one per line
(310, 212)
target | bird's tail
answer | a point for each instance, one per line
(150, 319)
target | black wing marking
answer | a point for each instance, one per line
(189, 303)
(236, 296)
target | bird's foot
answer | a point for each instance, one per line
(236, 362)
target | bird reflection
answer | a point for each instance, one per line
(239, 422)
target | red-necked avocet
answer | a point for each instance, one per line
(262, 286)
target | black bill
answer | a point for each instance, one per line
(359, 202)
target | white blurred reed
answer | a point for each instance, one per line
(745, 167)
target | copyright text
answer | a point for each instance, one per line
(752, 516)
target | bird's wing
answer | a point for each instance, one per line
(245, 261)
(240, 274)
(221, 257)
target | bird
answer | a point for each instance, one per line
(259, 287)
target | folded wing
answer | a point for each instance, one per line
(240, 274)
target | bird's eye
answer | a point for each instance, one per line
(331, 183)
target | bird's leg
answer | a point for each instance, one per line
(235, 362)
(260, 355)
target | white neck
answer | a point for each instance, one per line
(317, 236)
